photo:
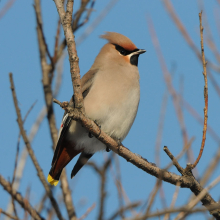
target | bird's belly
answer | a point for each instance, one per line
(115, 116)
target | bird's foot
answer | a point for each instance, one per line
(119, 142)
(90, 134)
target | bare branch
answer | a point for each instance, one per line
(87, 212)
(66, 19)
(196, 200)
(123, 209)
(46, 72)
(23, 202)
(31, 153)
(166, 217)
(153, 196)
(176, 210)
(8, 215)
(205, 94)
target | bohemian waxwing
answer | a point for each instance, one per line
(111, 93)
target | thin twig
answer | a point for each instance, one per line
(87, 212)
(22, 201)
(166, 217)
(185, 148)
(123, 209)
(57, 37)
(176, 210)
(102, 173)
(122, 196)
(118, 183)
(205, 94)
(40, 206)
(31, 153)
(154, 193)
(24, 153)
(8, 215)
(46, 72)
(174, 160)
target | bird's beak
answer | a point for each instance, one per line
(140, 51)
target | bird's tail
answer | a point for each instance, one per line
(62, 156)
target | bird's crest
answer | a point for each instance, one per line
(119, 39)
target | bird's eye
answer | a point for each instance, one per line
(121, 50)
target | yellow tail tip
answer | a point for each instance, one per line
(52, 181)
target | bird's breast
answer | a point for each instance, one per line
(113, 101)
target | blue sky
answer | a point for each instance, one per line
(19, 55)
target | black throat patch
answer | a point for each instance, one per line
(134, 59)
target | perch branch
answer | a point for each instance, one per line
(140, 162)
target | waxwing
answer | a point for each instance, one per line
(111, 93)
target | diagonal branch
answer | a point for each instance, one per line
(185, 181)
(22, 201)
(31, 152)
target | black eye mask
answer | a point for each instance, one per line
(122, 51)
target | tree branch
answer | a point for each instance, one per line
(23, 202)
(205, 94)
(185, 181)
(66, 20)
(31, 152)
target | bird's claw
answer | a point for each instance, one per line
(90, 134)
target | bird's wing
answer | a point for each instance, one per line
(65, 150)
(87, 81)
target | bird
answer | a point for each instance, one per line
(111, 94)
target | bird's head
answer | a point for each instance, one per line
(119, 49)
